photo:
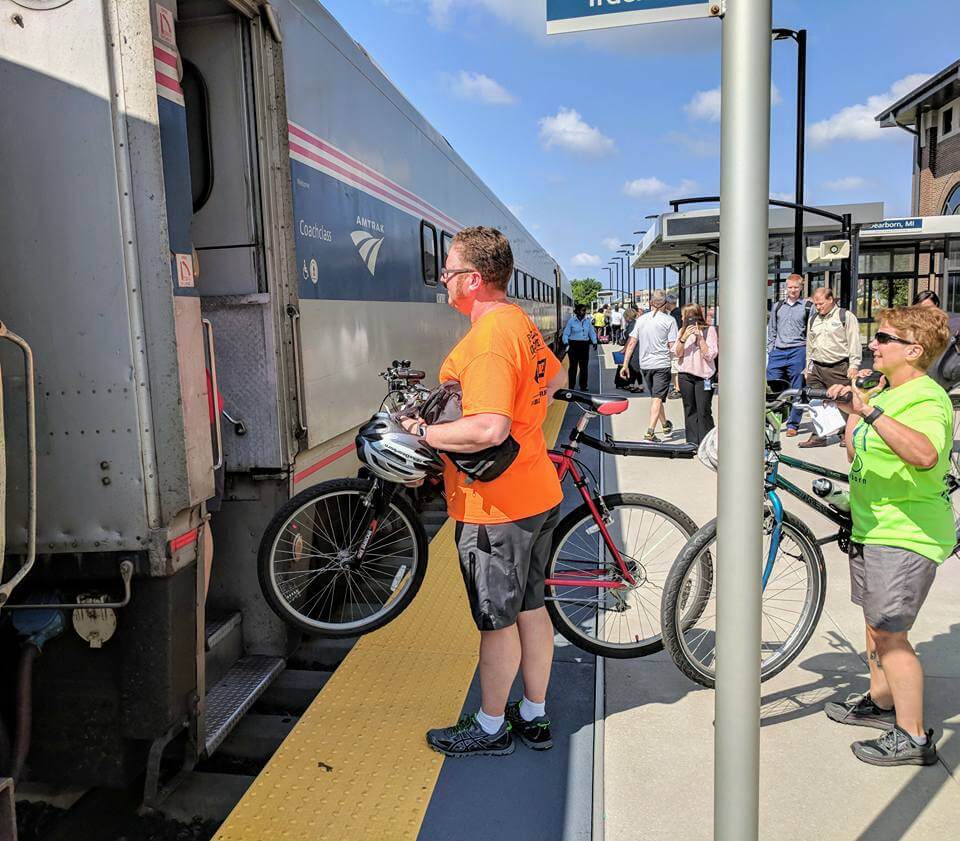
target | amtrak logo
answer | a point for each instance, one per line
(369, 247)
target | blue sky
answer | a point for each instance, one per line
(584, 135)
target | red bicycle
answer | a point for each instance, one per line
(612, 554)
(347, 556)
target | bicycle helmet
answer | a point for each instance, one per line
(395, 455)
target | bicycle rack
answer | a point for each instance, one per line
(7, 589)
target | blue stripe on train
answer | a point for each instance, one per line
(351, 246)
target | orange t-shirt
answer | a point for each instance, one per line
(503, 367)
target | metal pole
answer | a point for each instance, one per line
(846, 287)
(801, 132)
(744, 236)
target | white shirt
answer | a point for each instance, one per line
(656, 333)
(616, 318)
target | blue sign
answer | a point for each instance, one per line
(895, 225)
(580, 15)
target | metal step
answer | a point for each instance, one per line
(220, 625)
(235, 693)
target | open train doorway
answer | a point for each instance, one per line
(236, 229)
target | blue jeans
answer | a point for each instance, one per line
(788, 364)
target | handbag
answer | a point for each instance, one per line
(618, 357)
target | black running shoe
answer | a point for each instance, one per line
(468, 738)
(860, 709)
(534, 734)
(667, 427)
(895, 747)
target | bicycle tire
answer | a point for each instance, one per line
(406, 518)
(698, 548)
(570, 630)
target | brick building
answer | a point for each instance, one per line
(931, 113)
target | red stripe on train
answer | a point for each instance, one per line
(324, 462)
(184, 540)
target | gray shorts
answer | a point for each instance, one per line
(890, 584)
(656, 381)
(504, 566)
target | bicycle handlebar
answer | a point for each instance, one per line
(805, 395)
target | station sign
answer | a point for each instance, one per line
(581, 15)
(914, 224)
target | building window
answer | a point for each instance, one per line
(428, 253)
(946, 121)
(952, 205)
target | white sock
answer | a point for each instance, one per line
(529, 710)
(490, 724)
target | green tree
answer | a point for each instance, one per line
(585, 290)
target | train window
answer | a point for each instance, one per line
(526, 285)
(512, 288)
(445, 242)
(428, 253)
(196, 98)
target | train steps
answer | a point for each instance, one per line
(235, 682)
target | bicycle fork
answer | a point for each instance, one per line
(377, 502)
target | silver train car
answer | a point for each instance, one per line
(196, 195)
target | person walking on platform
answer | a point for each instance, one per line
(599, 320)
(507, 376)
(673, 310)
(616, 325)
(787, 343)
(899, 438)
(653, 335)
(696, 348)
(833, 348)
(579, 336)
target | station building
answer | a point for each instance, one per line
(893, 258)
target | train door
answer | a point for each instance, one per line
(232, 84)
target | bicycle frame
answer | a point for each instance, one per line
(567, 465)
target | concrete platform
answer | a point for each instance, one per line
(658, 734)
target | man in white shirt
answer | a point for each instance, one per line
(653, 335)
(616, 324)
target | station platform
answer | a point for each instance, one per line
(633, 757)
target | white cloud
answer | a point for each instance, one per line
(654, 188)
(856, 122)
(584, 259)
(847, 183)
(567, 130)
(784, 196)
(705, 105)
(477, 87)
(611, 243)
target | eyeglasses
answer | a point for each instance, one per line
(885, 339)
(446, 274)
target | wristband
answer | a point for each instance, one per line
(871, 418)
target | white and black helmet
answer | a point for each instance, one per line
(395, 455)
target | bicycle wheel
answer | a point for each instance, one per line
(790, 609)
(306, 560)
(608, 620)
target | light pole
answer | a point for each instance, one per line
(634, 275)
(609, 278)
(800, 36)
(626, 249)
(616, 264)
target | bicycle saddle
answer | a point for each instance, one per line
(593, 402)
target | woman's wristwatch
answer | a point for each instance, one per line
(871, 417)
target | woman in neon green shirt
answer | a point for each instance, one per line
(898, 438)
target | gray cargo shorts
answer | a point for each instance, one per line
(504, 567)
(890, 584)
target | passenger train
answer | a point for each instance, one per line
(196, 195)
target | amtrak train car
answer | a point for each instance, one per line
(199, 198)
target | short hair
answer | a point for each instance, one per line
(928, 327)
(796, 277)
(488, 251)
(658, 299)
(826, 290)
(926, 295)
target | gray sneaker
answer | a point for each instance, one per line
(651, 436)
(860, 709)
(667, 427)
(895, 747)
(468, 738)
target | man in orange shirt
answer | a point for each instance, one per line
(507, 376)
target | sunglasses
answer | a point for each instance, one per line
(882, 338)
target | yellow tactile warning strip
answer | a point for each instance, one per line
(356, 766)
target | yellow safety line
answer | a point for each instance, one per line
(356, 766)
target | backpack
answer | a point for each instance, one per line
(808, 307)
(843, 317)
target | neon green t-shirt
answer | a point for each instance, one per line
(893, 503)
